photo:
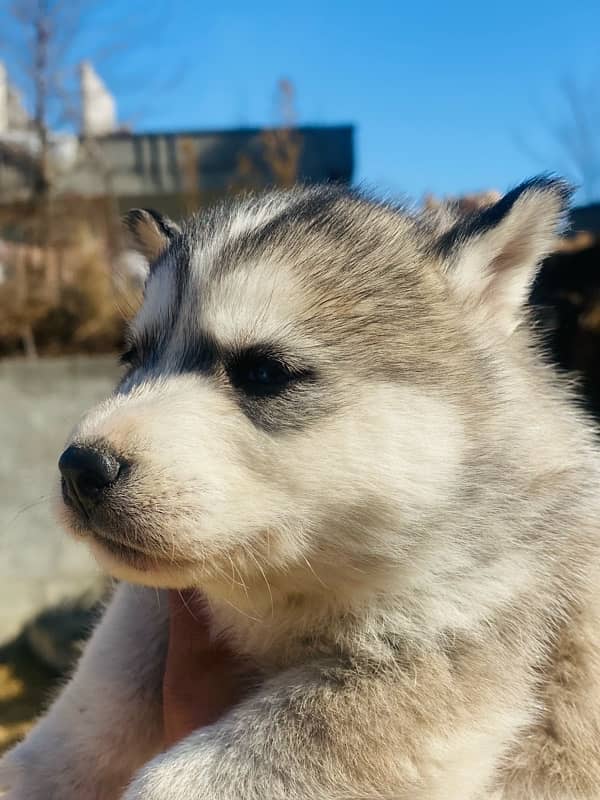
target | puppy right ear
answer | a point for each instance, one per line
(151, 232)
(493, 254)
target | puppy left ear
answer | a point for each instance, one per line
(151, 232)
(491, 257)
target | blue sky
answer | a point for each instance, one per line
(446, 96)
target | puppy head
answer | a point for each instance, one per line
(297, 389)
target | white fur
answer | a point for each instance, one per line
(412, 569)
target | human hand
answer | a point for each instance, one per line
(203, 678)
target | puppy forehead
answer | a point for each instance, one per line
(258, 300)
(253, 298)
(261, 270)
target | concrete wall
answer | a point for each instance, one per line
(40, 566)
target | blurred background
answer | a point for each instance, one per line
(107, 105)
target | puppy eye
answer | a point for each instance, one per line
(130, 357)
(261, 375)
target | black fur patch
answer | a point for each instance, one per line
(479, 222)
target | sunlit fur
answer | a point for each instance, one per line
(404, 543)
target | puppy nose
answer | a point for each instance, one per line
(86, 471)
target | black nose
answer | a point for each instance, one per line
(86, 472)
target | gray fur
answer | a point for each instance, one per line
(402, 538)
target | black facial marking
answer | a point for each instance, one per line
(180, 256)
(273, 387)
(130, 358)
(274, 390)
(144, 350)
(199, 355)
(262, 372)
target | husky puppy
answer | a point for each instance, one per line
(334, 423)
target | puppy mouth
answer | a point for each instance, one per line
(101, 537)
(72, 502)
(85, 528)
(140, 559)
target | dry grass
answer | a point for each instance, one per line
(63, 296)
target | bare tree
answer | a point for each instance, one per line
(283, 144)
(277, 160)
(43, 43)
(570, 139)
(37, 40)
(579, 134)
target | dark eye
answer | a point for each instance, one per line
(261, 375)
(130, 357)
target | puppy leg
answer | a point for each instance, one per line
(107, 721)
(331, 733)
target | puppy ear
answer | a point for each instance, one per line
(151, 232)
(491, 257)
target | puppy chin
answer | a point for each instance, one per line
(120, 560)
(129, 565)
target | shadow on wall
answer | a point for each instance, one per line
(33, 665)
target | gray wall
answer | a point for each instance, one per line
(40, 566)
(154, 163)
(149, 165)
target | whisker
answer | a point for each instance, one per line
(311, 568)
(190, 612)
(173, 546)
(29, 506)
(241, 581)
(221, 573)
(239, 611)
(262, 572)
